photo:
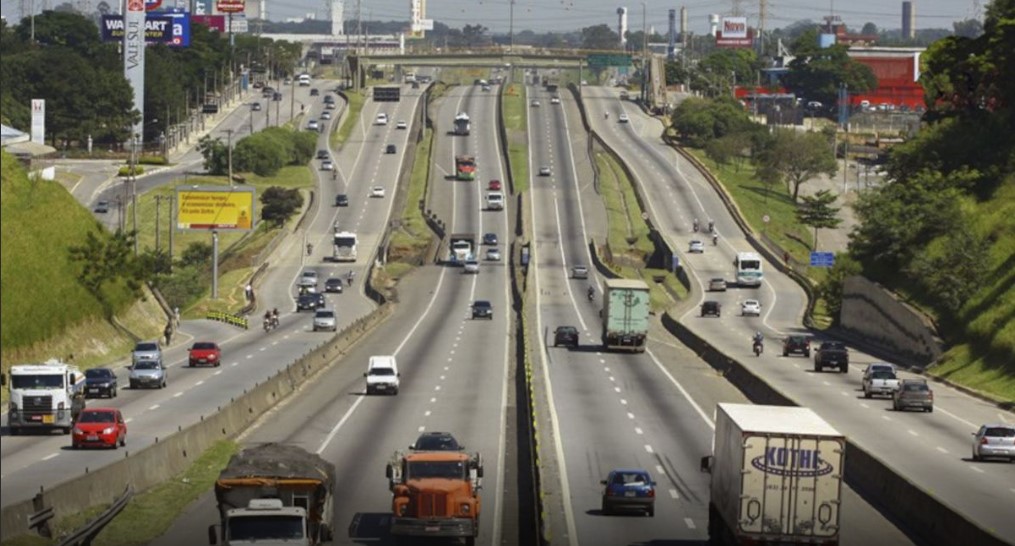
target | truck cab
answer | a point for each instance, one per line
(44, 396)
(435, 494)
(246, 525)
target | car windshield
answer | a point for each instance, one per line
(203, 345)
(630, 479)
(916, 388)
(264, 527)
(386, 372)
(96, 417)
(146, 347)
(482, 304)
(325, 314)
(98, 373)
(883, 374)
(453, 470)
(147, 365)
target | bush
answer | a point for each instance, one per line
(125, 170)
(184, 286)
(152, 160)
(196, 254)
(279, 204)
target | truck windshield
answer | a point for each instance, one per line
(345, 241)
(37, 381)
(264, 527)
(453, 470)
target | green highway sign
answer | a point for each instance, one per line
(598, 60)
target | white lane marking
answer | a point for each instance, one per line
(432, 400)
(612, 379)
(437, 388)
(660, 470)
(248, 356)
(912, 432)
(129, 419)
(957, 418)
(673, 494)
(199, 383)
(826, 383)
(649, 448)
(274, 342)
(220, 371)
(844, 393)
(682, 390)
(177, 395)
(630, 415)
(421, 429)
(886, 418)
(234, 364)
(638, 430)
(977, 469)
(153, 408)
(50, 456)
(863, 405)
(941, 449)
(563, 261)
(262, 348)
(690, 523)
(617, 389)
(623, 401)
(426, 413)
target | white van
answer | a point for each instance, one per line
(304, 80)
(382, 375)
(382, 119)
(495, 200)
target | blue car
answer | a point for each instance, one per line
(490, 239)
(629, 490)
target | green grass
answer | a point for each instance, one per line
(628, 233)
(513, 104)
(355, 106)
(150, 513)
(412, 238)
(39, 222)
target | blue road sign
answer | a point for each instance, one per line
(822, 259)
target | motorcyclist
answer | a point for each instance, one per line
(591, 292)
(715, 239)
(349, 276)
(606, 115)
(310, 249)
(695, 225)
(274, 316)
(267, 319)
(711, 226)
(759, 340)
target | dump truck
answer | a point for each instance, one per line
(274, 494)
(462, 124)
(625, 315)
(44, 396)
(461, 248)
(435, 494)
(465, 167)
(776, 476)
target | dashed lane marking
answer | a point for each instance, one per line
(177, 395)
(153, 408)
(220, 371)
(623, 401)
(660, 470)
(199, 383)
(977, 469)
(432, 400)
(617, 389)
(690, 523)
(638, 430)
(426, 413)
(630, 415)
(941, 449)
(50, 456)
(421, 429)
(648, 448)
(673, 494)
(912, 432)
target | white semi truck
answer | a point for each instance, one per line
(776, 476)
(44, 396)
(461, 248)
(344, 246)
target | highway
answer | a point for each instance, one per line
(29, 462)
(932, 450)
(455, 371)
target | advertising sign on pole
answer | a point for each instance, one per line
(39, 121)
(133, 57)
(213, 22)
(231, 6)
(152, 5)
(215, 207)
(171, 28)
(734, 33)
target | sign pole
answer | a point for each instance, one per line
(214, 264)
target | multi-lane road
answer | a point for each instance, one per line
(608, 410)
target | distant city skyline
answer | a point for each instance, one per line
(573, 15)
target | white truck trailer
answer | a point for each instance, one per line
(776, 476)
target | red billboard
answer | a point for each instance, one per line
(213, 22)
(231, 6)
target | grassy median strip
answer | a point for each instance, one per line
(513, 103)
(150, 513)
(355, 107)
(411, 239)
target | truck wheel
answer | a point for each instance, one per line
(66, 431)
(651, 511)
(15, 431)
(785, 353)
(844, 368)
(470, 541)
(866, 394)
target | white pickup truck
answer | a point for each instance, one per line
(880, 378)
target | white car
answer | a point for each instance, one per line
(382, 119)
(994, 441)
(325, 115)
(377, 191)
(622, 118)
(401, 125)
(329, 105)
(312, 125)
(471, 266)
(324, 319)
(696, 247)
(534, 103)
(750, 308)
(544, 171)
(327, 165)
(493, 255)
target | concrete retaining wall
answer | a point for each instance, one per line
(927, 518)
(875, 314)
(171, 455)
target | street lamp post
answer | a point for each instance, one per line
(644, 54)
(229, 152)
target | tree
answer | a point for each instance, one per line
(197, 254)
(869, 29)
(215, 153)
(817, 73)
(600, 37)
(797, 157)
(953, 267)
(817, 212)
(830, 289)
(701, 120)
(969, 28)
(279, 204)
(106, 260)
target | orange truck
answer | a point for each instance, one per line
(435, 494)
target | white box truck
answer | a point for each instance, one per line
(776, 476)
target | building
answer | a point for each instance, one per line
(908, 20)
(898, 72)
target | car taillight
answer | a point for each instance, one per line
(651, 492)
(983, 441)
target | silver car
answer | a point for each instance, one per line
(579, 272)
(994, 441)
(146, 351)
(324, 319)
(148, 374)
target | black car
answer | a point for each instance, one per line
(565, 335)
(711, 308)
(333, 284)
(436, 441)
(322, 154)
(102, 207)
(100, 382)
(341, 200)
(329, 99)
(314, 92)
(489, 238)
(482, 309)
(277, 96)
(796, 344)
(309, 302)
(391, 149)
(256, 107)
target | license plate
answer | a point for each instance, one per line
(93, 390)
(431, 528)
(92, 438)
(630, 493)
(47, 419)
(381, 387)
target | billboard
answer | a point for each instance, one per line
(387, 94)
(215, 207)
(213, 22)
(734, 32)
(39, 121)
(171, 28)
(231, 6)
(133, 57)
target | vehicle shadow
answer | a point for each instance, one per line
(371, 528)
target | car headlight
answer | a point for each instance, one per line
(465, 508)
(212, 357)
(78, 431)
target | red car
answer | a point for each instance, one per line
(102, 427)
(494, 185)
(205, 353)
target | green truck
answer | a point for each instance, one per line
(625, 315)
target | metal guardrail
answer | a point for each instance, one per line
(86, 533)
(40, 521)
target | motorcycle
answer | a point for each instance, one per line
(267, 325)
(758, 348)
(310, 249)
(715, 240)
(591, 295)
(696, 226)
(274, 322)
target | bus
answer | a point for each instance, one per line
(465, 167)
(747, 269)
(345, 246)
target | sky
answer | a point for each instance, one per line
(567, 15)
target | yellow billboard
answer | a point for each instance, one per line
(205, 208)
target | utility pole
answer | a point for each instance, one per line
(172, 218)
(158, 226)
(229, 146)
(644, 54)
(511, 28)
(133, 189)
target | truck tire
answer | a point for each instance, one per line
(15, 431)
(66, 431)
(844, 368)
(866, 394)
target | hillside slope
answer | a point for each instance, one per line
(40, 297)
